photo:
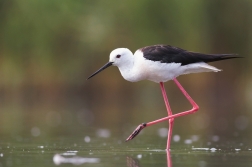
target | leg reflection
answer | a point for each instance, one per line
(169, 161)
(132, 162)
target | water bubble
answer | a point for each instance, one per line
(195, 138)
(188, 141)
(163, 132)
(87, 139)
(35, 131)
(215, 138)
(139, 156)
(176, 138)
(104, 133)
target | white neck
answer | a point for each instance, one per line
(127, 63)
(127, 68)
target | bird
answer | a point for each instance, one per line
(161, 63)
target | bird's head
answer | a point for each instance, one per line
(118, 57)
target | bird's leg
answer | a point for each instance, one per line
(171, 121)
(193, 110)
(136, 131)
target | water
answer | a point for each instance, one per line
(100, 148)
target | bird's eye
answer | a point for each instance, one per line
(118, 56)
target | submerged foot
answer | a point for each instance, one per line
(136, 131)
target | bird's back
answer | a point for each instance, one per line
(161, 63)
(171, 54)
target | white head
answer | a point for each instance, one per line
(119, 57)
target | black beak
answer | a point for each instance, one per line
(102, 68)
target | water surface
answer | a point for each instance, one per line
(101, 149)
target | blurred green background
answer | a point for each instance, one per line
(49, 48)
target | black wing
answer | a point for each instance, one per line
(171, 54)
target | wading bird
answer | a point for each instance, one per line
(161, 63)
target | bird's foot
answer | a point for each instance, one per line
(136, 131)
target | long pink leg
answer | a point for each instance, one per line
(171, 121)
(193, 110)
(169, 161)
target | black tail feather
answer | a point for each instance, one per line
(199, 57)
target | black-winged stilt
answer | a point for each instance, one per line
(161, 63)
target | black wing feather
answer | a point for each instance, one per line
(171, 54)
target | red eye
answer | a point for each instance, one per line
(118, 56)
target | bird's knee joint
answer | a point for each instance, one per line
(143, 124)
(195, 109)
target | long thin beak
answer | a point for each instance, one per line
(102, 68)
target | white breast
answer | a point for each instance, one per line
(155, 71)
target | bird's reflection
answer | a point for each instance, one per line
(169, 161)
(132, 162)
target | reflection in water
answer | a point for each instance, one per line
(132, 162)
(75, 160)
(169, 161)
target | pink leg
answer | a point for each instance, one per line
(193, 110)
(169, 161)
(171, 121)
